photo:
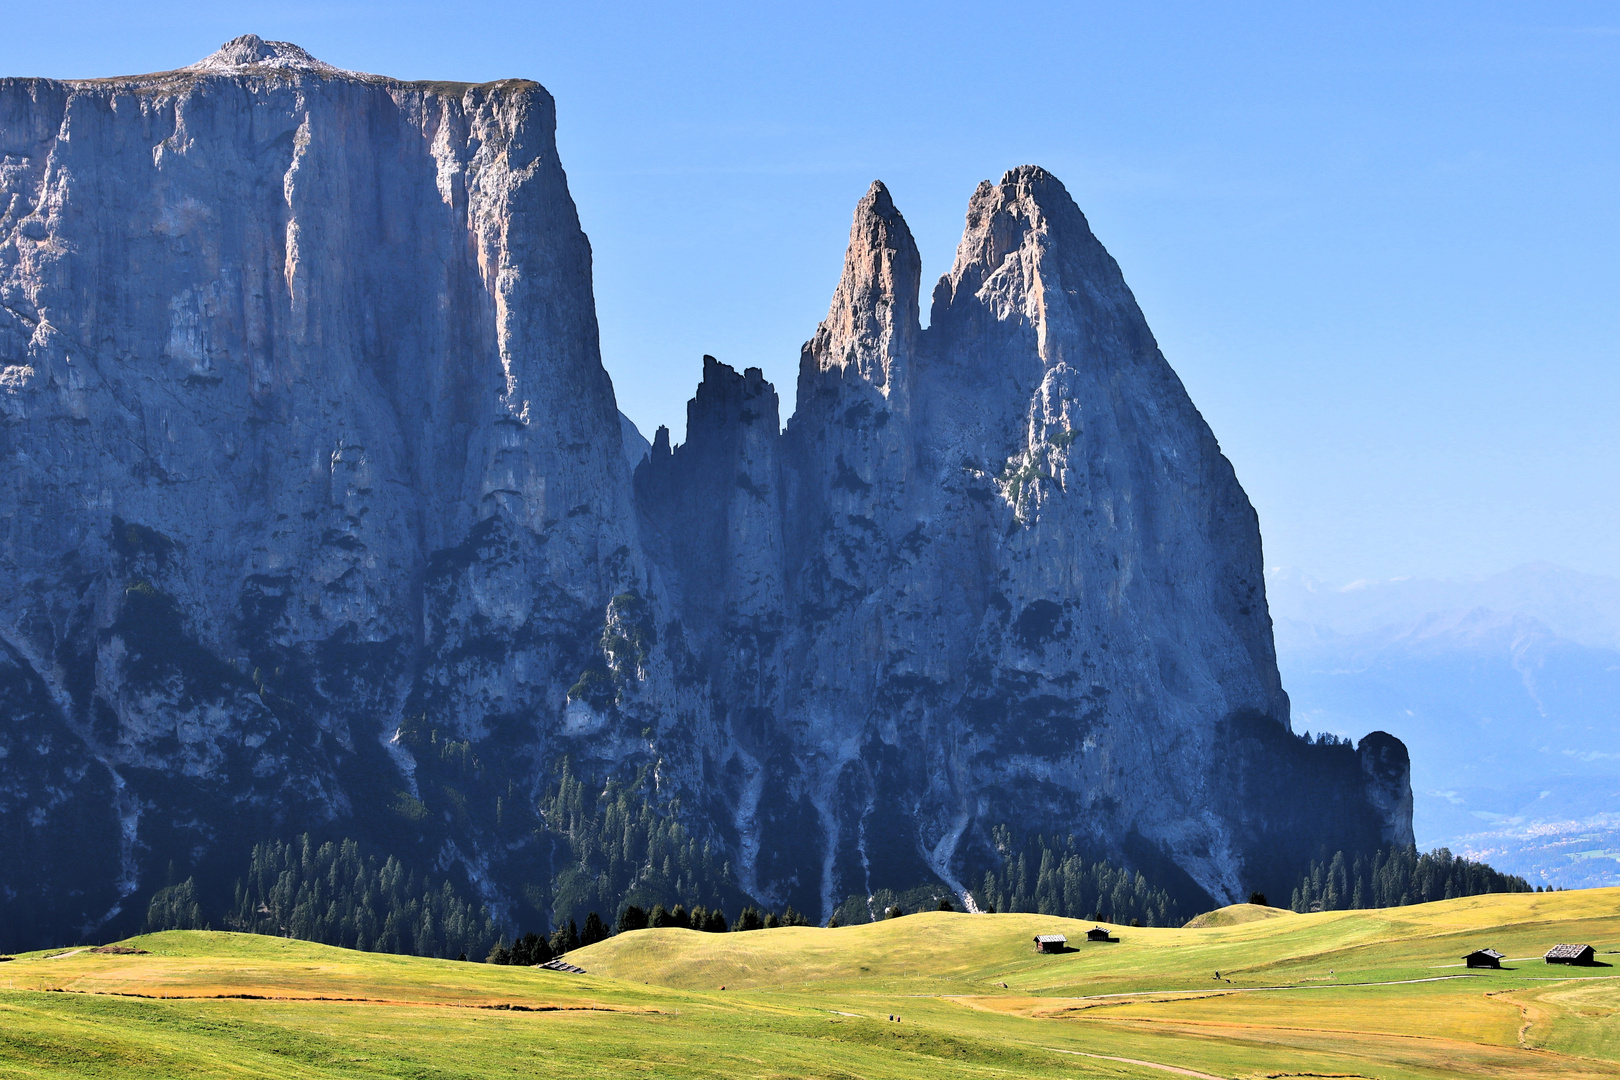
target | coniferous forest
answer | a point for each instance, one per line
(1396, 877)
(620, 849)
(614, 846)
(332, 894)
(1049, 875)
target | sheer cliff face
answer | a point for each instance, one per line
(312, 469)
(1014, 580)
(305, 431)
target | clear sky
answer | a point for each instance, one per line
(1380, 242)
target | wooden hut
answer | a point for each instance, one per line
(559, 964)
(1483, 958)
(1097, 933)
(1050, 943)
(1571, 954)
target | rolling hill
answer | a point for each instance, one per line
(1378, 993)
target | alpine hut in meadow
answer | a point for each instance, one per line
(1483, 958)
(1051, 943)
(1097, 933)
(1571, 954)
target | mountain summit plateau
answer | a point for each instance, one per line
(316, 514)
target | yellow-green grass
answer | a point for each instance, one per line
(1237, 913)
(945, 953)
(1329, 993)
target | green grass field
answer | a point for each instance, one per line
(1365, 993)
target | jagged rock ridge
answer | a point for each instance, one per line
(993, 571)
(312, 469)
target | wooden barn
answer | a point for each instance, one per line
(1051, 943)
(1571, 954)
(1483, 958)
(1097, 933)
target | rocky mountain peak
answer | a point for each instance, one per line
(1032, 278)
(1009, 226)
(872, 324)
(1033, 181)
(250, 50)
(726, 399)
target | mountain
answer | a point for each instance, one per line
(1506, 688)
(319, 514)
(1582, 608)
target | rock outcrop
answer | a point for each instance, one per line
(994, 571)
(318, 513)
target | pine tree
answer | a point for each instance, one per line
(330, 893)
(622, 845)
(564, 939)
(175, 907)
(1396, 877)
(1065, 883)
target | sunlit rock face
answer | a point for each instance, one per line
(304, 428)
(317, 512)
(995, 571)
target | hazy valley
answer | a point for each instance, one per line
(1506, 689)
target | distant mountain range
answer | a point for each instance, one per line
(1506, 689)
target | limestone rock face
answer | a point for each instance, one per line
(317, 513)
(271, 336)
(997, 571)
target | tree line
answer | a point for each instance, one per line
(1050, 876)
(616, 847)
(1395, 877)
(333, 894)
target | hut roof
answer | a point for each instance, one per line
(1568, 952)
(1051, 939)
(559, 964)
(1492, 953)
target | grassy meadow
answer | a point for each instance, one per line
(1352, 993)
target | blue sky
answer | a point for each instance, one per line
(1380, 242)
